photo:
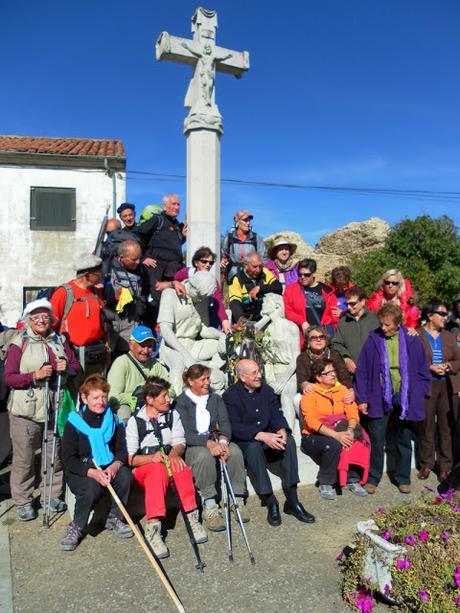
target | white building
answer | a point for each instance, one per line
(54, 193)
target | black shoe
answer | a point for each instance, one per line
(299, 512)
(273, 515)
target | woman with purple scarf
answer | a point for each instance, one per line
(392, 382)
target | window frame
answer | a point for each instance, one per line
(33, 205)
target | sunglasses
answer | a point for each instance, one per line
(392, 282)
(441, 313)
(320, 337)
(328, 372)
(352, 303)
(248, 219)
(210, 262)
(305, 274)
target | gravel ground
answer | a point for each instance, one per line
(295, 570)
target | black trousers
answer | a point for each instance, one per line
(256, 457)
(399, 434)
(325, 451)
(87, 492)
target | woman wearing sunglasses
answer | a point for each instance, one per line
(443, 356)
(212, 310)
(392, 287)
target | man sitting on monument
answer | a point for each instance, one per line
(126, 295)
(162, 237)
(185, 339)
(129, 372)
(248, 288)
(127, 213)
(238, 243)
(115, 234)
(264, 437)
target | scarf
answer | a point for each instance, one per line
(286, 266)
(387, 388)
(98, 437)
(202, 415)
(326, 355)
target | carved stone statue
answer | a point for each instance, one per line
(185, 339)
(284, 349)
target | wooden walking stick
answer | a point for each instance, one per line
(164, 579)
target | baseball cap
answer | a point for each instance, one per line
(141, 334)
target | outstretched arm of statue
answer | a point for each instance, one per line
(173, 342)
(281, 380)
(192, 51)
(208, 332)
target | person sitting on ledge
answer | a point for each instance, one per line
(321, 441)
(262, 433)
(94, 436)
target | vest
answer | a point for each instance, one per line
(166, 241)
(30, 403)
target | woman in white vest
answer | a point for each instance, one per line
(35, 356)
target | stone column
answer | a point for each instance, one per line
(203, 191)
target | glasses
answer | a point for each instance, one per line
(441, 313)
(328, 372)
(37, 318)
(246, 219)
(210, 262)
(352, 303)
(305, 274)
(320, 337)
(392, 282)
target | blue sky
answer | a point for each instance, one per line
(350, 94)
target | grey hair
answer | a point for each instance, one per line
(126, 246)
(165, 199)
(393, 272)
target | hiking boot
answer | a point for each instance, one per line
(57, 505)
(72, 537)
(370, 488)
(199, 533)
(424, 473)
(327, 492)
(213, 519)
(26, 512)
(121, 529)
(357, 489)
(155, 540)
(404, 488)
(243, 512)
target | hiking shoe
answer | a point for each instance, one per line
(199, 533)
(57, 505)
(404, 488)
(26, 512)
(243, 512)
(155, 540)
(327, 492)
(213, 519)
(121, 529)
(72, 537)
(357, 489)
(370, 488)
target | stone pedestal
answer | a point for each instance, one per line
(203, 191)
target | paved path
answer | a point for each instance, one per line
(295, 571)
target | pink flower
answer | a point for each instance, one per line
(339, 556)
(423, 536)
(457, 576)
(387, 535)
(365, 601)
(457, 602)
(403, 564)
(437, 500)
(424, 595)
(445, 535)
(387, 589)
(396, 539)
(410, 540)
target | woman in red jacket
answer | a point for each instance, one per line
(392, 287)
(309, 302)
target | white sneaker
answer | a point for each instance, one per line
(327, 492)
(154, 538)
(199, 533)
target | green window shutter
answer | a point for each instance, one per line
(53, 208)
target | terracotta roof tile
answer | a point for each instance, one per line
(62, 146)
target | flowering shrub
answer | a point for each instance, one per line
(427, 576)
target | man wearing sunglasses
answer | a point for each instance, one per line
(354, 327)
(238, 243)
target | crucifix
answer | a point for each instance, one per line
(203, 125)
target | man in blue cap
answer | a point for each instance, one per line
(129, 371)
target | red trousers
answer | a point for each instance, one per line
(153, 478)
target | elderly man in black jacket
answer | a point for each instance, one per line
(263, 435)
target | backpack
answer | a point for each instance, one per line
(70, 300)
(157, 428)
(149, 211)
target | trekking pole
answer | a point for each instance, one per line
(45, 442)
(46, 516)
(230, 493)
(160, 572)
(200, 564)
(227, 516)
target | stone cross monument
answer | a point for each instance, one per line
(203, 125)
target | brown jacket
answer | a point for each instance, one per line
(303, 369)
(450, 353)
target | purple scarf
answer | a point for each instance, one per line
(387, 388)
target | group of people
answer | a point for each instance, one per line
(361, 375)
